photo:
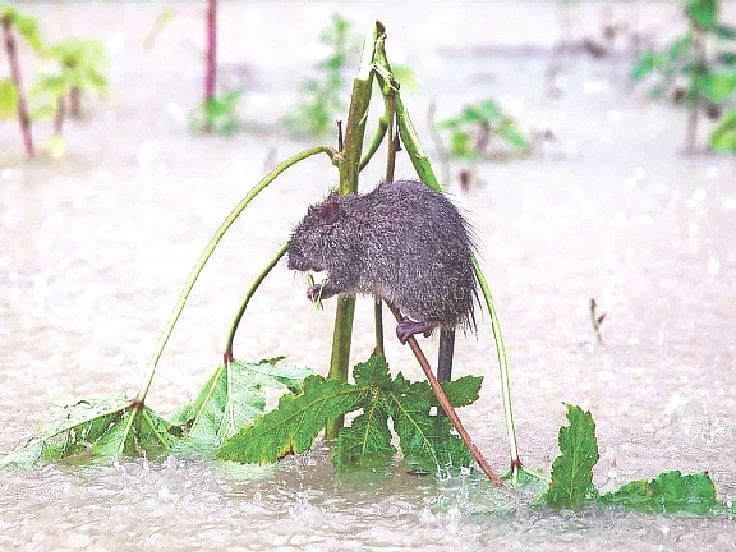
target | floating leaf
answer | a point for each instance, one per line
(668, 493)
(572, 470)
(233, 397)
(103, 427)
(8, 99)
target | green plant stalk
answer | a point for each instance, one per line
(349, 171)
(376, 142)
(210, 248)
(229, 354)
(423, 166)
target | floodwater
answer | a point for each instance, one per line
(94, 249)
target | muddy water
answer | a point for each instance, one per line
(94, 249)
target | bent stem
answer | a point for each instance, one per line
(229, 354)
(423, 167)
(349, 170)
(447, 406)
(376, 142)
(210, 248)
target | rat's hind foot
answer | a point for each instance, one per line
(319, 292)
(407, 328)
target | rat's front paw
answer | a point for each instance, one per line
(314, 293)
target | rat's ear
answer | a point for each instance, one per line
(330, 212)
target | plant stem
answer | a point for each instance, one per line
(75, 102)
(210, 71)
(376, 142)
(423, 166)
(349, 171)
(447, 406)
(595, 321)
(210, 248)
(229, 354)
(691, 130)
(59, 116)
(508, 413)
(24, 120)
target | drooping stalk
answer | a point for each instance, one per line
(349, 170)
(229, 354)
(423, 166)
(24, 121)
(210, 70)
(210, 248)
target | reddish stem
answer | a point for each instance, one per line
(75, 102)
(210, 71)
(446, 406)
(59, 117)
(23, 119)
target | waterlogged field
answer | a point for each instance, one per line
(95, 248)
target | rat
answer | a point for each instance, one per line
(402, 242)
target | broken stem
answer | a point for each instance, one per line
(210, 248)
(447, 406)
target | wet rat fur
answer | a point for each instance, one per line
(402, 242)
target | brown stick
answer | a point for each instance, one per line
(23, 119)
(446, 406)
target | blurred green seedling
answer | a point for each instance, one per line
(697, 70)
(478, 127)
(12, 98)
(220, 115)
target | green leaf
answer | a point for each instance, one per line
(723, 138)
(28, 28)
(8, 99)
(102, 427)
(487, 111)
(725, 32)
(427, 442)
(680, 48)
(366, 443)
(233, 397)
(137, 432)
(461, 144)
(462, 391)
(668, 493)
(644, 66)
(718, 87)
(572, 470)
(292, 427)
(703, 12)
(511, 134)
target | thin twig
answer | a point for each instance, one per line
(23, 119)
(447, 406)
(596, 320)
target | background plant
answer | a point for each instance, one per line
(12, 96)
(696, 70)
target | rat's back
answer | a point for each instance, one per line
(415, 251)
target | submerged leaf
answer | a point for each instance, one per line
(233, 397)
(572, 470)
(104, 427)
(669, 492)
